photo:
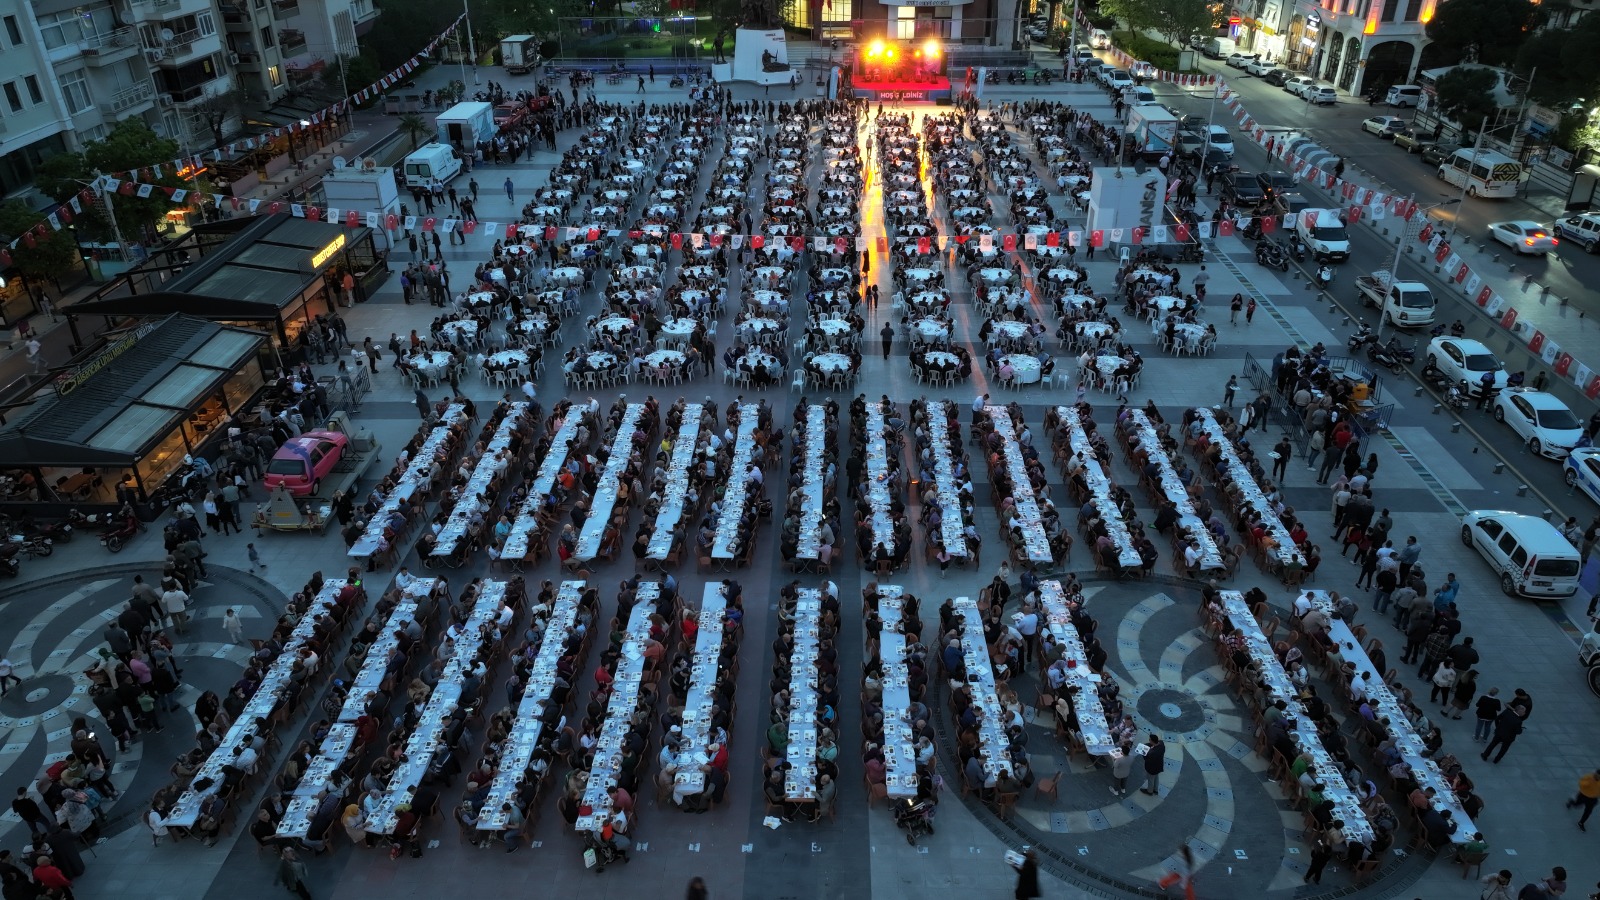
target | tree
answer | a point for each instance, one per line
(1466, 96)
(1485, 31)
(53, 255)
(1562, 57)
(217, 109)
(129, 146)
(1138, 15)
(415, 127)
(1180, 20)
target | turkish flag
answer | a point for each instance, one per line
(677, 241)
(924, 244)
(392, 222)
(1443, 252)
(839, 245)
(1536, 343)
(797, 243)
(549, 232)
(1183, 232)
(1097, 237)
(594, 234)
(758, 241)
(64, 214)
(427, 224)
(30, 240)
(1592, 389)
(636, 234)
(1009, 243)
(1053, 239)
(716, 239)
(1269, 224)
(127, 188)
(1484, 295)
(469, 226)
(313, 214)
(1138, 236)
(1461, 273)
(962, 238)
(1225, 228)
(1426, 232)
(1563, 364)
(1509, 319)
(5, 257)
(352, 219)
(1355, 214)
(511, 232)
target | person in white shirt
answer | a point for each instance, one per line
(1302, 604)
(244, 759)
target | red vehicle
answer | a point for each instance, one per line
(301, 463)
(510, 113)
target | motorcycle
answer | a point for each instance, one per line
(9, 565)
(1272, 256)
(119, 534)
(1435, 376)
(1297, 248)
(1380, 356)
(57, 532)
(1361, 339)
(1406, 354)
(1459, 396)
(34, 547)
(677, 81)
(1324, 276)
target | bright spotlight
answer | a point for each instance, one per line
(930, 49)
(889, 53)
(875, 48)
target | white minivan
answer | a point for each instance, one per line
(1532, 557)
(1403, 95)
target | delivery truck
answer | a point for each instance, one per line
(1406, 304)
(1151, 132)
(519, 54)
(466, 125)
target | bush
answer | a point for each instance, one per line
(1160, 54)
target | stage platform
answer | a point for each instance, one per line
(903, 91)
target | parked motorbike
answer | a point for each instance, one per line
(677, 82)
(1435, 376)
(57, 532)
(1192, 253)
(1382, 357)
(1361, 338)
(1459, 396)
(1272, 255)
(1324, 276)
(1404, 353)
(120, 533)
(9, 564)
(34, 547)
(1297, 248)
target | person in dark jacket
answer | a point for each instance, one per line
(1506, 728)
(1028, 876)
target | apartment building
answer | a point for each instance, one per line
(34, 123)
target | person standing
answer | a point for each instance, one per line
(1250, 311)
(1280, 459)
(1028, 876)
(510, 191)
(888, 339)
(28, 809)
(1235, 306)
(292, 873)
(697, 889)
(1507, 726)
(1230, 390)
(1588, 795)
(232, 625)
(1487, 710)
(1155, 762)
(35, 357)
(423, 406)
(8, 676)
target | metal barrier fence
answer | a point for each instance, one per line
(1282, 415)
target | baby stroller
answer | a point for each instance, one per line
(916, 817)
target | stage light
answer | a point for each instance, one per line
(889, 53)
(875, 48)
(917, 54)
(931, 49)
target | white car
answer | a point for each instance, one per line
(1523, 236)
(1582, 469)
(1383, 126)
(1259, 67)
(1320, 96)
(1464, 359)
(1117, 79)
(1143, 70)
(1541, 419)
(1583, 228)
(1220, 139)
(1240, 60)
(1299, 84)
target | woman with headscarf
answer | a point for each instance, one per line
(354, 824)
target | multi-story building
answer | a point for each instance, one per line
(1358, 45)
(990, 22)
(314, 34)
(1263, 27)
(253, 51)
(34, 123)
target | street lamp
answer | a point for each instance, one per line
(1407, 234)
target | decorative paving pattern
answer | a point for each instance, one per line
(1214, 796)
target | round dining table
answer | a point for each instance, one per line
(507, 359)
(567, 276)
(1027, 367)
(460, 331)
(830, 363)
(928, 330)
(665, 358)
(1109, 366)
(433, 363)
(677, 329)
(537, 324)
(994, 275)
(598, 359)
(616, 326)
(836, 331)
(920, 275)
(1010, 331)
(478, 300)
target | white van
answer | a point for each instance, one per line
(1403, 95)
(425, 164)
(1323, 233)
(1484, 173)
(1532, 557)
(1139, 95)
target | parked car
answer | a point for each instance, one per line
(1383, 126)
(1189, 145)
(1320, 96)
(1584, 230)
(1582, 470)
(1408, 140)
(1220, 139)
(1298, 84)
(1243, 188)
(1464, 359)
(1241, 60)
(1434, 154)
(1259, 67)
(1143, 70)
(1542, 421)
(1523, 236)
(1117, 79)
(1279, 77)
(1274, 183)
(302, 462)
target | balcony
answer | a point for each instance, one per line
(123, 103)
(237, 14)
(291, 42)
(153, 10)
(286, 9)
(111, 47)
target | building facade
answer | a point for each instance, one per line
(1358, 46)
(985, 22)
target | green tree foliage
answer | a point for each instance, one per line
(1485, 31)
(1466, 96)
(130, 145)
(1175, 20)
(399, 33)
(1564, 59)
(415, 127)
(52, 256)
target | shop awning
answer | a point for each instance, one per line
(120, 403)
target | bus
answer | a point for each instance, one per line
(1484, 173)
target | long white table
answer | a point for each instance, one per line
(951, 528)
(980, 677)
(695, 748)
(370, 676)
(408, 482)
(879, 499)
(722, 546)
(899, 740)
(1172, 486)
(455, 528)
(1347, 805)
(296, 819)
(677, 482)
(1034, 539)
(444, 700)
(1099, 487)
(800, 782)
(186, 810)
(1092, 723)
(605, 492)
(529, 726)
(1248, 489)
(811, 487)
(619, 712)
(527, 521)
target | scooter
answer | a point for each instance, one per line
(1361, 338)
(1404, 353)
(1297, 248)
(1324, 276)
(1459, 396)
(117, 535)
(1381, 356)
(9, 565)
(1272, 256)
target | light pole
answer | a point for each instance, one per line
(1408, 233)
(111, 213)
(472, 47)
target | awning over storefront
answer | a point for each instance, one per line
(127, 400)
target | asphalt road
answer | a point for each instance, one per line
(1568, 272)
(1336, 129)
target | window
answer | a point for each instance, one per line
(206, 23)
(13, 99)
(268, 39)
(13, 31)
(1490, 527)
(274, 75)
(75, 87)
(1508, 543)
(34, 93)
(1413, 10)
(905, 26)
(1390, 7)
